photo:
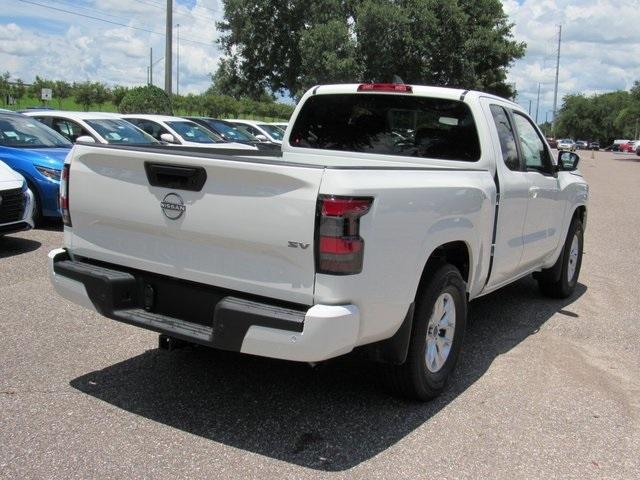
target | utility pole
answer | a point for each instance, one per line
(529, 107)
(168, 70)
(178, 63)
(538, 103)
(555, 90)
(151, 66)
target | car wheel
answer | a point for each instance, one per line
(439, 323)
(568, 265)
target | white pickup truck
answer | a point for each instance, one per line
(390, 207)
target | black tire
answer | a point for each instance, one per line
(413, 379)
(555, 281)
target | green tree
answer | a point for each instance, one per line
(279, 45)
(147, 99)
(84, 94)
(603, 117)
(101, 93)
(61, 91)
(5, 87)
(18, 90)
(117, 94)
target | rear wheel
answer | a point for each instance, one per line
(568, 265)
(438, 330)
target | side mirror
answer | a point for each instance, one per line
(85, 139)
(262, 138)
(568, 161)
(167, 137)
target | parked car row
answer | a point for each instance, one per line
(34, 144)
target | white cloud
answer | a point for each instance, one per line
(600, 47)
(36, 40)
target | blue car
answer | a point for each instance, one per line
(37, 153)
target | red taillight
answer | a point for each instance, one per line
(63, 199)
(385, 87)
(340, 249)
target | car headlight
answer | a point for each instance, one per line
(50, 173)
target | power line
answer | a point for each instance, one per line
(214, 10)
(177, 11)
(111, 22)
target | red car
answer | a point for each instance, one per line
(627, 147)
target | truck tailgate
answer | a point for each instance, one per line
(249, 228)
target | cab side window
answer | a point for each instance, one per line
(45, 120)
(147, 126)
(534, 153)
(67, 128)
(506, 136)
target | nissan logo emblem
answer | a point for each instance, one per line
(173, 206)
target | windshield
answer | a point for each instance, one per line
(25, 132)
(276, 132)
(231, 133)
(192, 132)
(389, 125)
(120, 131)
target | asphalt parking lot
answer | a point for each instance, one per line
(545, 388)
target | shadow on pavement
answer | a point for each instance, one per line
(331, 417)
(12, 246)
(51, 224)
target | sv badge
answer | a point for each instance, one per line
(301, 245)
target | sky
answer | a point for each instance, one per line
(600, 43)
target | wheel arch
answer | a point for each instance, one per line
(394, 350)
(457, 253)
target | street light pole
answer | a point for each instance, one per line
(538, 103)
(178, 63)
(151, 66)
(168, 70)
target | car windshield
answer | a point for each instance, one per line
(404, 125)
(120, 131)
(192, 132)
(231, 133)
(24, 132)
(276, 132)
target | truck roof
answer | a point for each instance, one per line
(422, 90)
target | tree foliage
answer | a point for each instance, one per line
(147, 99)
(604, 117)
(61, 91)
(290, 45)
(91, 93)
(117, 94)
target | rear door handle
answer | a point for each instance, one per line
(175, 177)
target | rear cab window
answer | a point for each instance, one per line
(402, 125)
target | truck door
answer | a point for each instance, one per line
(514, 190)
(544, 212)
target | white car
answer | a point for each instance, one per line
(350, 238)
(16, 202)
(567, 144)
(263, 131)
(281, 125)
(97, 127)
(179, 131)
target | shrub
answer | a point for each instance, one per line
(147, 99)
